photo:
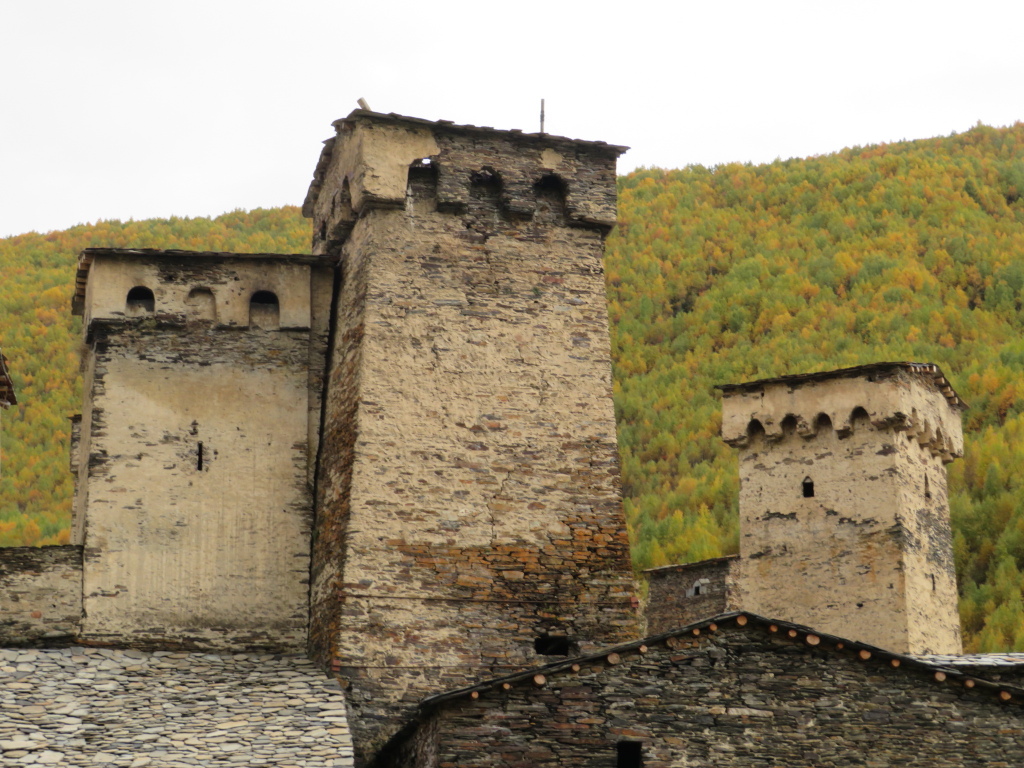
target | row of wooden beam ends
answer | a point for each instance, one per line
(689, 637)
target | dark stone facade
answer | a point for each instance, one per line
(729, 696)
(682, 594)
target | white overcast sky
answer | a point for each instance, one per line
(118, 109)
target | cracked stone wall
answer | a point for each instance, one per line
(869, 554)
(469, 492)
(193, 503)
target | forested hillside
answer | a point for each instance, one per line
(911, 251)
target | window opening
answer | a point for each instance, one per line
(199, 457)
(927, 489)
(551, 645)
(808, 486)
(696, 589)
(630, 754)
(264, 311)
(932, 577)
(140, 301)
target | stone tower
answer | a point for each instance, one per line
(193, 454)
(469, 519)
(844, 515)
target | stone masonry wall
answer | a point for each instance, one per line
(478, 524)
(683, 594)
(735, 699)
(40, 594)
(198, 513)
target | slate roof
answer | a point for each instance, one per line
(928, 370)
(942, 672)
(81, 706)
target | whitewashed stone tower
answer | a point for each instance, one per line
(194, 455)
(844, 514)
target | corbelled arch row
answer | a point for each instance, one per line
(844, 517)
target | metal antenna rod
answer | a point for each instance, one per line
(542, 116)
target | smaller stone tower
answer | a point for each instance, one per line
(844, 516)
(194, 452)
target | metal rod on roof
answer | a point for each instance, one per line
(542, 116)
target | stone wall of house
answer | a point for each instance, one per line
(844, 516)
(40, 594)
(731, 698)
(469, 510)
(682, 594)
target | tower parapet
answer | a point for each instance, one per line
(844, 511)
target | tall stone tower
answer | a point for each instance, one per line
(844, 514)
(193, 456)
(469, 519)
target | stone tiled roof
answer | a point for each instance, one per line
(89, 706)
(940, 671)
(688, 566)
(929, 370)
(7, 396)
(974, 659)
(449, 125)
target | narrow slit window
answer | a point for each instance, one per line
(808, 488)
(630, 754)
(927, 488)
(199, 457)
(548, 645)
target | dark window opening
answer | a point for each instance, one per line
(932, 576)
(140, 301)
(421, 190)
(550, 192)
(199, 457)
(808, 486)
(696, 589)
(551, 645)
(264, 311)
(630, 754)
(927, 489)
(323, 230)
